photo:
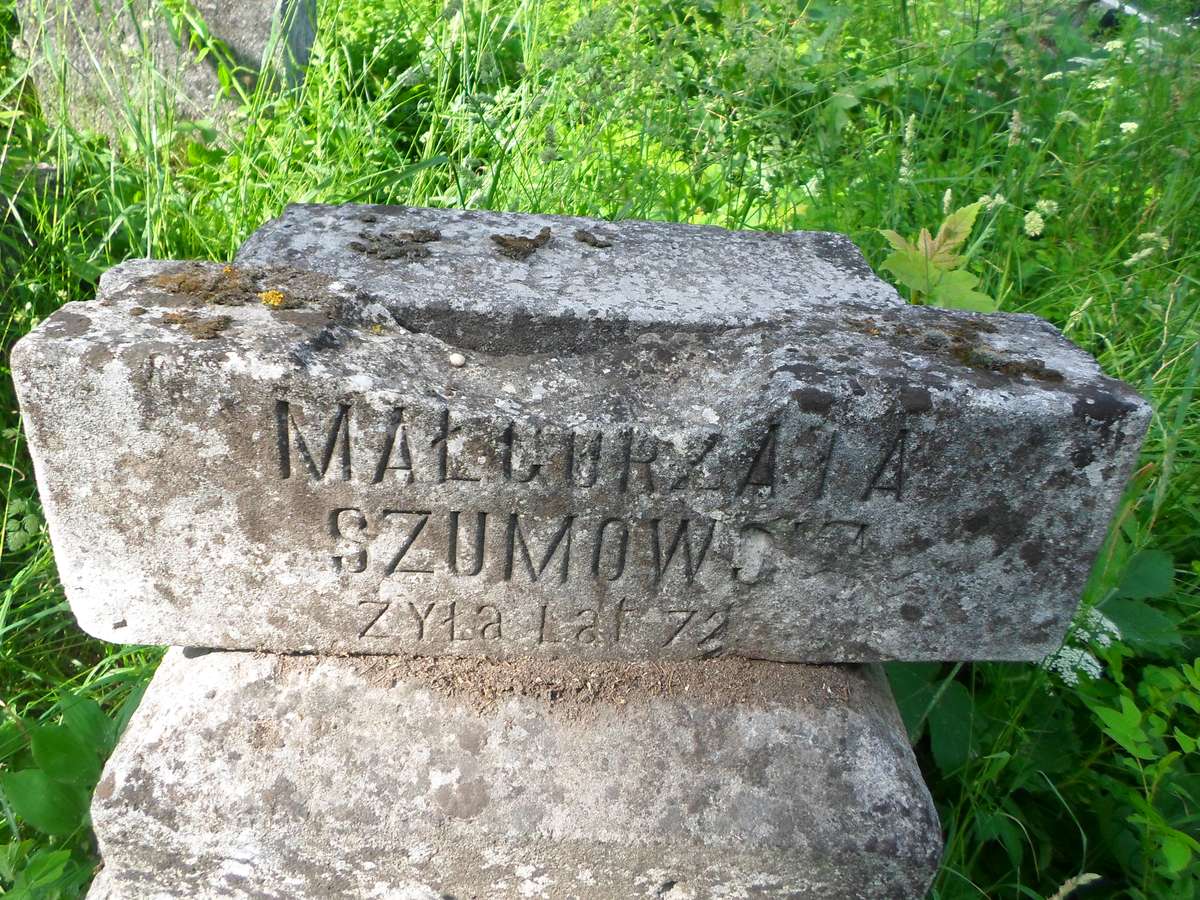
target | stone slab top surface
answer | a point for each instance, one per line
(515, 281)
(271, 457)
(251, 775)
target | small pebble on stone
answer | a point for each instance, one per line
(457, 360)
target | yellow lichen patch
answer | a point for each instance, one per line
(376, 328)
(273, 299)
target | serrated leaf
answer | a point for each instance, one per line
(925, 245)
(1150, 573)
(1142, 626)
(87, 721)
(47, 805)
(897, 241)
(63, 756)
(1124, 726)
(950, 728)
(956, 227)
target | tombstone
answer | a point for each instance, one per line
(519, 538)
(107, 60)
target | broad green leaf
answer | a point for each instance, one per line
(913, 686)
(87, 721)
(950, 728)
(1142, 626)
(47, 805)
(1186, 744)
(955, 290)
(1177, 852)
(63, 756)
(1150, 573)
(912, 270)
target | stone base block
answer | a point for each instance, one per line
(246, 775)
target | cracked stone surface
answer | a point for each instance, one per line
(249, 775)
(390, 430)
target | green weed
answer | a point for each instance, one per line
(1076, 144)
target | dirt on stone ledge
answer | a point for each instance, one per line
(576, 687)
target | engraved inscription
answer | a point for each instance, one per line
(585, 537)
(408, 446)
(696, 631)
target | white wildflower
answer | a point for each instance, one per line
(1085, 61)
(1053, 76)
(947, 202)
(992, 202)
(1114, 46)
(1034, 223)
(1098, 628)
(1101, 84)
(1155, 238)
(910, 130)
(1146, 45)
(944, 32)
(1129, 127)
(1068, 663)
(1047, 208)
(1068, 115)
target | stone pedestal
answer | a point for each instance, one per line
(247, 775)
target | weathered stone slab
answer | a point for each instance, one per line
(650, 441)
(97, 56)
(290, 777)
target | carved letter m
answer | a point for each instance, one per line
(336, 440)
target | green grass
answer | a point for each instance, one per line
(851, 117)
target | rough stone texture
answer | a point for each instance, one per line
(255, 776)
(665, 441)
(97, 51)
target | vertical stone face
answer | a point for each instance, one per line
(99, 56)
(256, 776)
(476, 434)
